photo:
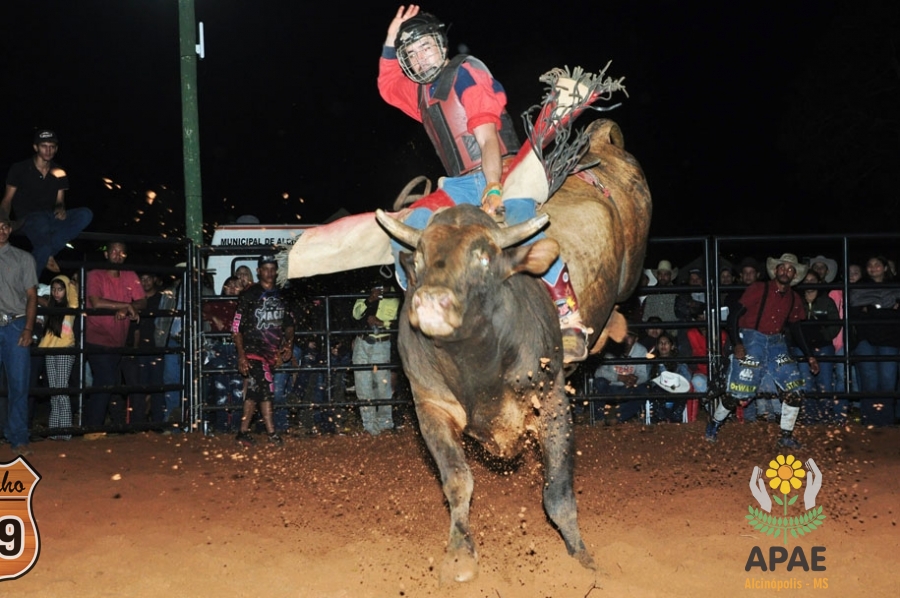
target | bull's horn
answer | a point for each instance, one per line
(507, 237)
(402, 232)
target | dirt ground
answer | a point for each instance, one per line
(355, 516)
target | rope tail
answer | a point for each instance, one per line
(282, 262)
(569, 93)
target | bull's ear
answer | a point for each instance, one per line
(408, 263)
(535, 258)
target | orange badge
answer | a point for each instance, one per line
(19, 540)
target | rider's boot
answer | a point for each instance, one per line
(574, 332)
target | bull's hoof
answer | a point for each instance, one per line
(458, 567)
(587, 561)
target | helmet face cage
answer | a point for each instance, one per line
(418, 63)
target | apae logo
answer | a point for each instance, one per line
(784, 477)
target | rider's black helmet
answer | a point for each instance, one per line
(419, 27)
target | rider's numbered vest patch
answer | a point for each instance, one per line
(19, 540)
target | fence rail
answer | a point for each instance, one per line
(326, 320)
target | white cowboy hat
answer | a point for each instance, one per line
(667, 265)
(790, 259)
(829, 263)
(672, 382)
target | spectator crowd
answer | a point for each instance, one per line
(660, 372)
(795, 307)
(784, 328)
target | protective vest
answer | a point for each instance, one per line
(446, 122)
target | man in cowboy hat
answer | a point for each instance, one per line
(662, 305)
(825, 267)
(757, 329)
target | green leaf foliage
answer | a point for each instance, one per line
(772, 525)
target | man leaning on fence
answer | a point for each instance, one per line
(18, 309)
(374, 347)
(105, 335)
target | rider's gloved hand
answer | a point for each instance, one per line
(492, 202)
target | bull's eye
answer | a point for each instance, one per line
(482, 258)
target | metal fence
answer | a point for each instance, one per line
(145, 254)
(325, 319)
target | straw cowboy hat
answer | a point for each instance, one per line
(790, 259)
(667, 265)
(829, 263)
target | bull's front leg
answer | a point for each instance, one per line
(442, 431)
(557, 448)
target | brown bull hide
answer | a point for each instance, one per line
(480, 341)
(602, 229)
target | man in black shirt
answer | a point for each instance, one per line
(36, 188)
(263, 332)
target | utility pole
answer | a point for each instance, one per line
(190, 121)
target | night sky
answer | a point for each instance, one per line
(772, 118)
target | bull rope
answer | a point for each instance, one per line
(551, 134)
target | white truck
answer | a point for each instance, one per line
(253, 240)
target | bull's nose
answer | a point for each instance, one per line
(431, 295)
(435, 311)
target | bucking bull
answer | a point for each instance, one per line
(478, 334)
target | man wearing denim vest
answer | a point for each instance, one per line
(760, 350)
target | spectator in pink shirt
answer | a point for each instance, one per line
(113, 289)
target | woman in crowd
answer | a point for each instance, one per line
(59, 334)
(649, 336)
(244, 276)
(873, 311)
(819, 338)
(225, 389)
(666, 355)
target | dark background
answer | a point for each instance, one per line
(748, 119)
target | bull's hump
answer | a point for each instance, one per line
(464, 215)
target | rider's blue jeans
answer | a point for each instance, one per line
(467, 189)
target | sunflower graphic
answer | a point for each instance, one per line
(785, 474)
